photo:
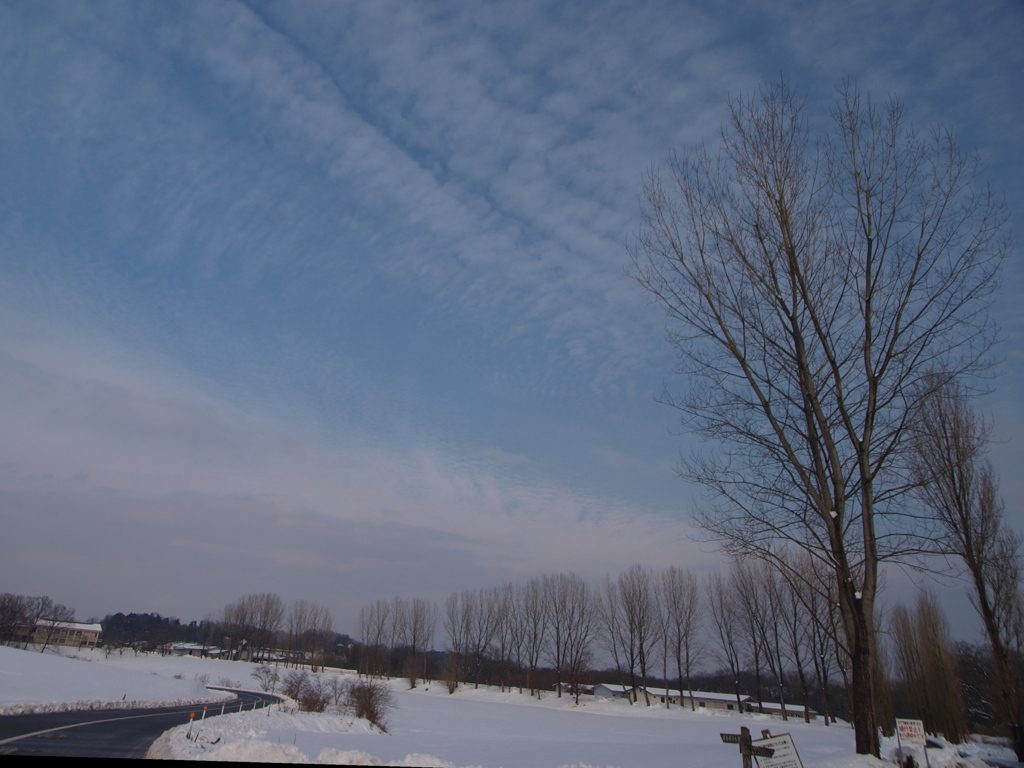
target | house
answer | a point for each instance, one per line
(775, 708)
(191, 649)
(609, 691)
(701, 699)
(707, 700)
(659, 695)
(569, 689)
(61, 633)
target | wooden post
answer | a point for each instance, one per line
(747, 749)
(745, 746)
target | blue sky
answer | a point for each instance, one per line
(330, 299)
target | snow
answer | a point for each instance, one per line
(47, 682)
(484, 727)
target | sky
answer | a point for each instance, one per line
(332, 299)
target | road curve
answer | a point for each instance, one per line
(118, 733)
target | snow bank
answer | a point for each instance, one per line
(272, 736)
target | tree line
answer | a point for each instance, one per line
(775, 636)
(261, 627)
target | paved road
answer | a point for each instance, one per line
(104, 733)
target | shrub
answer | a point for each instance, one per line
(372, 701)
(338, 687)
(313, 700)
(267, 678)
(295, 683)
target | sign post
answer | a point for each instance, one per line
(911, 733)
(784, 754)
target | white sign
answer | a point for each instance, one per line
(911, 732)
(785, 752)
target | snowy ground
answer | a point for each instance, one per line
(46, 682)
(430, 728)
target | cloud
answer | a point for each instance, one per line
(111, 472)
(619, 461)
(505, 457)
(507, 206)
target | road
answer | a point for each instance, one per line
(119, 733)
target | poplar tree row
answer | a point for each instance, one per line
(264, 625)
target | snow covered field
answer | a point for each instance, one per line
(41, 682)
(473, 727)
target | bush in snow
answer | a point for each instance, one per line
(295, 683)
(267, 677)
(315, 696)
(339, 690)
(372, 701)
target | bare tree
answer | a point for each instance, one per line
(458, 624)
(300, 616)
(811, 287)
(680, 600)
(924, 663)
(310, 631)
(504, 631)
(374, 624)
(422, 621)
(13, 615)
(814, 587)
(583, 620)
(752, 618)
(237, 624)
(58, 617)
(518, 633)
(267, 614)
(796, 623)
(615, 638)
(629, 612)
(398, 629)
(571, 614)
(321, 635)
(640, 611)
(725, 621)
(36, 609)
(534, 613)
(773, 608)
(957, 483)
(483, 625)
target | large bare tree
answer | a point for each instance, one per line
(811, 285)
(957, 483)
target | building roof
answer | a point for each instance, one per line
(697, 694)
(73, 625)
(614, 687)
(790, 706)
(674, 692)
